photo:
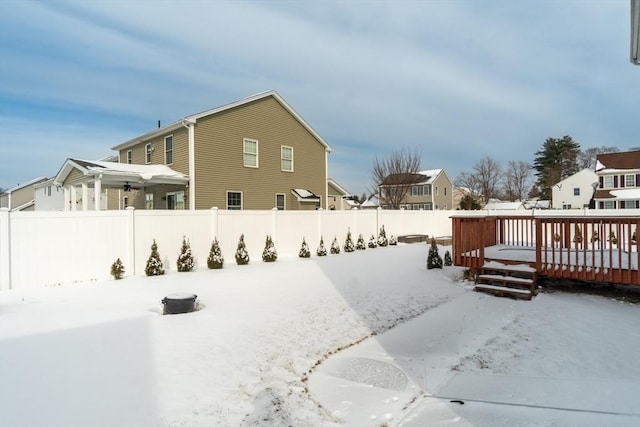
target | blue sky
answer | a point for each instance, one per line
(456, 80)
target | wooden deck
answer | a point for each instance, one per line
(590, 248)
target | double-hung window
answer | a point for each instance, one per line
(286, 158)
(629, 180)
(147, 153)
(280, 201)
(250, 152)
(576, 191)
(168, 150)
(234, 200)
(608, 181)
(129, 156)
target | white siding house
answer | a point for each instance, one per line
(575, 191)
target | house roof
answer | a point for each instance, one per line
(26, 184)
(338, 187)
(497, 205)
(195, 117)
(621, 160)
(304, 195)
(371, 202)
(114, 173)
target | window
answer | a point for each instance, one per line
(629, 180)
(608, 181)
(168, 150)
(147, 153)
(417, 190)
(576, 191)
(175, 200)
(427, 190)
(629, 204)
(428, 206)
(129, 156)
(609, 204)
(250, 153)
(234, 200)
(566, 206)
(286, 158)
(445, 192)
(280, 202)
(436, 190)
(148, 201)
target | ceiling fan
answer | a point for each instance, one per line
(127, 187)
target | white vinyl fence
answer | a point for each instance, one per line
(48, 248)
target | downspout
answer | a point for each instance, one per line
(189, 124)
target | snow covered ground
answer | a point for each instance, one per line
(369, 338)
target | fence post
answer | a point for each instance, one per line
(5, 250)
(214, 222)
(130, 238)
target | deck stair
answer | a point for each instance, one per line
(515, 281)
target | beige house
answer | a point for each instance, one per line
(429, 190)
(339, 198)
(256, 153)
(20, 197)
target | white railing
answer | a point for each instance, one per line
(47, 248)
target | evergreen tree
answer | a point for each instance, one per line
(304, 250)
(185, 259)
(595, 237)
(154, 267)
(215, 259)
(557, 160)
(242, 256)
(447, 259)
(382, 238)
(393, 241)
(360, 245)
(321, 251)
(335, 246)
(634, 238)
(372, 242)
(468, 203)
(269, 253)
(348, 243)
(577, 237)
(434, 260)
(612, 238)
(117, 269)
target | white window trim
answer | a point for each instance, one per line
(147, 153)
(282, 147)
(284, 201)
(244, 152)
(604, 181)
(241, 199)
(146, 201)
(175, 193)
(633, 180)
(165, 149)
(129, 156)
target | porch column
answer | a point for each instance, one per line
(85, 196)
(97, 191)
(74, 198)
(67, 198)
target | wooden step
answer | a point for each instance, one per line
(502, 291)
(517, 281)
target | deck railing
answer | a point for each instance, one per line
(592, 248)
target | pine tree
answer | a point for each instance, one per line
(382, 238)
(577, 237)
(360, 245)
(242, 256)
(557, 160)
(117, 269)
(433, 258)
(612, 238)
(634, 238)
(372, 242)
(269, 253)
(304, 250)
(447, 259)
(393, 241)
(348, 243)
(335, 246)
(595, 237)
(215, 259)
(321, 251)
(154, 267)
(185, 259)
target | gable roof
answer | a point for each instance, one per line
(195, 117)
(338, 187)
(26, 184)
(621, 160)
(304, 195)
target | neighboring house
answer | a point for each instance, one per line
(505, 206)
(537, 204)
(429, 190)
(20, 197)
(339, 198)
(371, 203)
(618, 180)
(48, 196)
(575, 191)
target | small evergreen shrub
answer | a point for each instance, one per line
(215, 259)
(335, 246)
(447, 259)
(185, 259)
(434, 260)
(382, 238)
(269, 253)
(321, 251)
(372, 242)
(117, 269)
(393, 241)
(360, 245)
(577, 237)
(348, 243)
(612, 238)
(595, 237)
(634, 239)
(242, 256)
(304, 250)
(154, 267)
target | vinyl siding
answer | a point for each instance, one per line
(219, 157)
(180, 151)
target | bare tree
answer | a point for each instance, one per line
(587, 158)
(518, 180)
(394, 175)
(470, 182)
(488, 174)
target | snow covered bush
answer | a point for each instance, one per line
(335, 246)
(154, 267)
(434, 260)
(242, 256)
(185, 259)
(595, 237)
(393, 241)
(360, 245)
(215, 259)
(382, 238)
(269, 253)
(372, 242)
(321, 251)
(117, 269)
(348, 243)
(304, 250)
(447, 259)
(612, 238)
